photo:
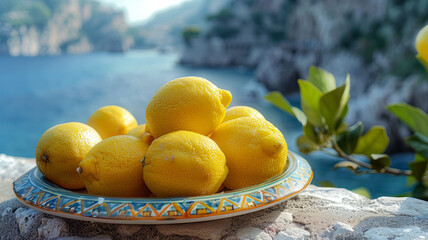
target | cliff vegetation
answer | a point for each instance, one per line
(48, 27)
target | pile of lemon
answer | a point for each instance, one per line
(191, 145)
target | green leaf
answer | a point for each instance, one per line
(347, 164)
(348, 140)
(413, 117)
(420, 191)
(375, 141)
(379, 161)
(321, 79)
(281, 102)
(406, 194)
(418, 169)
(419, 157)
(422, 61)
(332, 104)
(419, 143)
(309, 132)
(306, 145)
(410, 180)
(343, 128)
(309, 100)
(277, 99)
(326, 184)
(363, 192)
(339, 122)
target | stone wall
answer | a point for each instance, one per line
(315, 213)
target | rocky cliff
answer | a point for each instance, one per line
(46, 27)
(281, 39)
(165, 27)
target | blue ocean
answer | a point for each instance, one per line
(37, 93)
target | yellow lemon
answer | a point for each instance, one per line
(184, 163)
(255, 150)
(137, 131)
(60, 150)
(189, 103)
(422, 43)
(111, 121)
(241, 111)
(140, 132)
(113, 168)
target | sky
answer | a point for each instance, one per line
(140, 10)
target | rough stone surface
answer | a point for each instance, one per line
(10, 169)
(128, 230)
(98, 237)
(204, 230)
(28, 220)
(338, 230)
(292, 233)
(406, 233)
(252, 233)
(52, 228)
(316, 213)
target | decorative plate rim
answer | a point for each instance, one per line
(38, 193)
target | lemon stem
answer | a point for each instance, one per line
(45, 158)
(387, 170)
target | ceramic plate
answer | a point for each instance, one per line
(35, 191)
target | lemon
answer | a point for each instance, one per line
(137, 131)
(422, 43)
(111, 121)
(113, 168)
(189, 103)
(241, 111)
(140, 132)
(184, 163)
(255, 150)
(60, 150)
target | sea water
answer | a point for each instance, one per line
(37, 93)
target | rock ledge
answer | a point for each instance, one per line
(316, 213)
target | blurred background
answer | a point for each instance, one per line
(62, 60)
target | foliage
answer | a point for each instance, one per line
(324, 107)
(28, 13)
(422, 61)
(277, 35)
(384, 34)
(100, 29)
(221, 24)
(189, 33)
(224, 31)
(266, 22)
(361, 190)
(223, 15)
